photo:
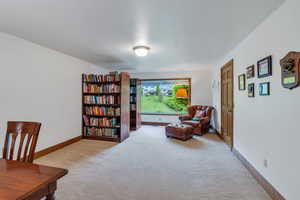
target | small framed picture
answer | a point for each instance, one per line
(264, 89)
(264, 67)
(242, 82)
(250, 72)
(251, 90)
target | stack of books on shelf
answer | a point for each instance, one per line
(102, 111)
(104, 88)
(102, 100)
(104, 132)
(101, 122)
(98, 78)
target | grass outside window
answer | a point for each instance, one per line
(159, 96)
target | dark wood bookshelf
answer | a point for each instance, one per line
(102, 115)
(92, 126)
(108, 105)
(135, 95)
(121, 129)
(101, 94)
(103, 82)
(111, 139)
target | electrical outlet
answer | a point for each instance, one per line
(266, 163)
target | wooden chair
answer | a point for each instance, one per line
(28, 133)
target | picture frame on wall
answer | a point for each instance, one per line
(242, 82)
(264, 67)
(264, 89)
(250, 71)
(251, 90)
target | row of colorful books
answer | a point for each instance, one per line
(102, 111)
(108, 88)
(101, 78)
(102, 99)
(107, 132)
(108, 122)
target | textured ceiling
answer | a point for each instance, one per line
(182, 34)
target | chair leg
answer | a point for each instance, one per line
(50, 196)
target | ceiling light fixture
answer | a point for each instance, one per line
(141, 51)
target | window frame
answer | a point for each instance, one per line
(170, 79)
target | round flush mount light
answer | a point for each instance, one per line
(141, 51)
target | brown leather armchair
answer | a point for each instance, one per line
(202, 126)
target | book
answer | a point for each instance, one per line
(132, 99)
(106, 88)
(132, 90)
(99, 78)
(106, 132)
(104, 122)
(133, 82)
(132, 107)
(102, 111)
(86, 120)
(102, 99)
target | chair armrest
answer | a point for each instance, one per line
(204, 120)
(185, 117)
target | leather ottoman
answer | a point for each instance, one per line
(179, 131)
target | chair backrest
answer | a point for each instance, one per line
(208, 110)
(27, 133)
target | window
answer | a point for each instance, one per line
(165, 96)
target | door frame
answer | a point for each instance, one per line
(230, 62)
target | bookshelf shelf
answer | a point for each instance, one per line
(100, 94)
(108, 105)
(104, 82)
(111, 139)
(101, 116)
(105, 115)
(91, 126)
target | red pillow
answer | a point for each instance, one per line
(200, 113)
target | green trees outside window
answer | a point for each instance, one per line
(159, 96)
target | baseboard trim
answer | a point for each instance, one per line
(219, 134)
(268, 187)
(56, 147)
(155, 123)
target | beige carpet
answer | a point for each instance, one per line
(148, 166)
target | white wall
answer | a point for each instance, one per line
(268, 127)
(201, 89)
(39, 84)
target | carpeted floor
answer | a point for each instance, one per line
(149, 166)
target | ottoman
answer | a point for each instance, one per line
(179, 131)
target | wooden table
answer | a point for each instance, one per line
(25, 181)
